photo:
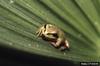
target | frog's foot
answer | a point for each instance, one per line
(54, 44)
(63, 48)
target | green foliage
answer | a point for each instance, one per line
(79, 19)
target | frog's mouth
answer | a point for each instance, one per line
(48, 39)
(53, 34)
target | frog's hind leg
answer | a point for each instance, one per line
(65, 46)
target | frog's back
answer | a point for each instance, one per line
(61, 34)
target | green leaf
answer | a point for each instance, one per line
(79, 19)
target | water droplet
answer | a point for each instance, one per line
(80, 35)
(37, 45)
(64, 53)
(11, 1)
(10, 43)
(96, 23)
(28, 5)
(29, 44)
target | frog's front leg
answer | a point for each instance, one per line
(49, 36)
(53, 43)
(58, 43)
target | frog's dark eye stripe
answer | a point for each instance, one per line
(45, 25)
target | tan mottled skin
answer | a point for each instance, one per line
(48, 33)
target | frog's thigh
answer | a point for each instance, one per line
(58, 43)
(66, 43)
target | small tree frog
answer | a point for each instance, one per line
(54, 35)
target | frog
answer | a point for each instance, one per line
(54, 35)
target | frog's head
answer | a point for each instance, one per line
(50, 29)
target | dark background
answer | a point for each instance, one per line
(13, 57)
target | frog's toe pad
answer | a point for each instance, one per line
(63, 48)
